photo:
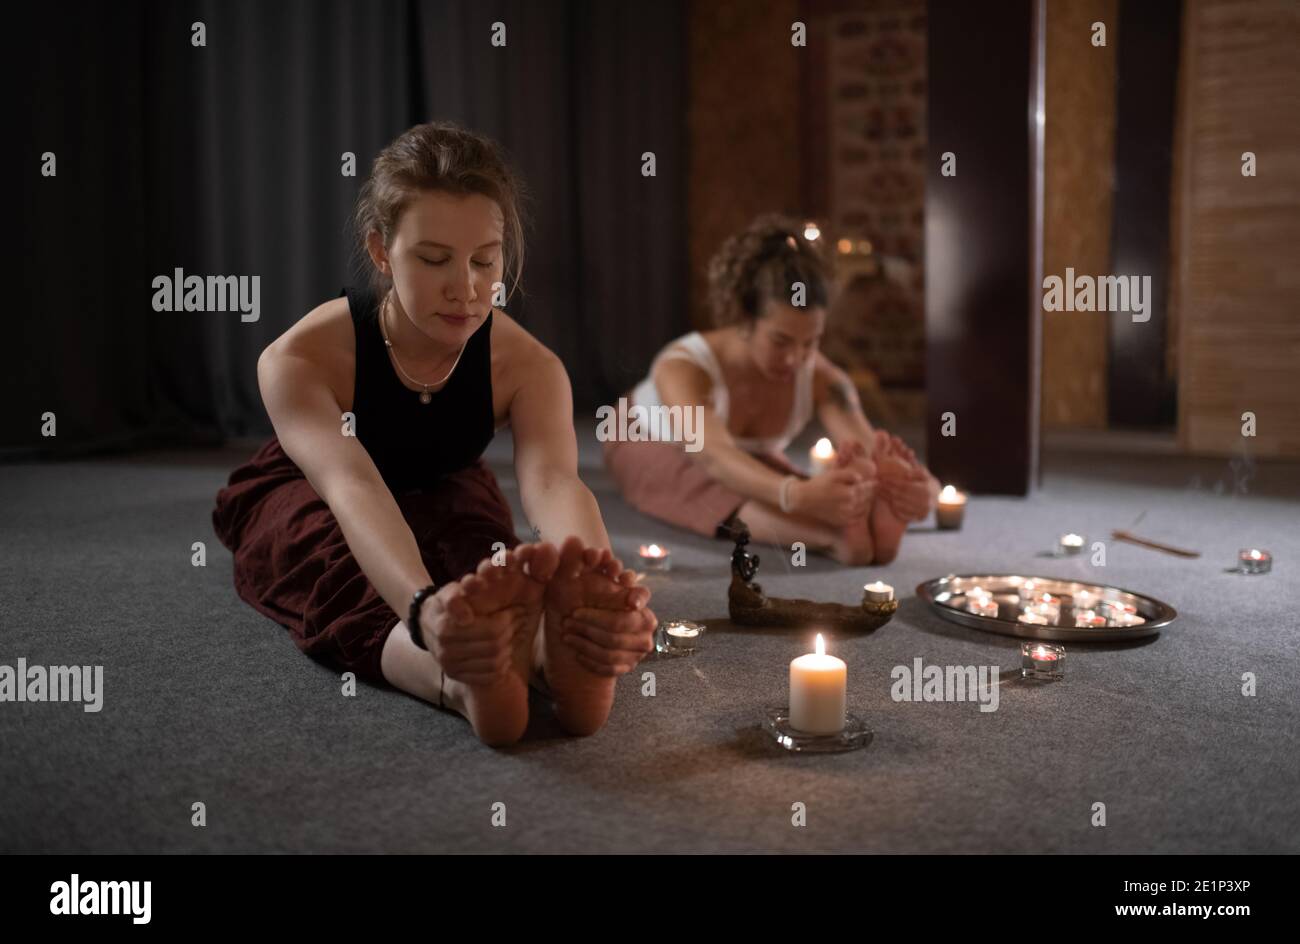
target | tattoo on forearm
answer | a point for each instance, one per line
(537, 534)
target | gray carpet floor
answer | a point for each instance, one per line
(205, 701)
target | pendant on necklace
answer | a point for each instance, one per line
(426, 397)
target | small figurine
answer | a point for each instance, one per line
(749, 606)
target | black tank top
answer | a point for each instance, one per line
(414, 443)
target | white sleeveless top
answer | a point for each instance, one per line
(694, 348)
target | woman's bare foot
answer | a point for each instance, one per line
(585, 577)
(855, 545)
(887, 528)
(506, 599)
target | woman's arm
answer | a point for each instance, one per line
(831, 498)
(838, 407)
(840, 411)
(681, 383)
(306, 417)
(555, 500)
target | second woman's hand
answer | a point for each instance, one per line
(833, 496)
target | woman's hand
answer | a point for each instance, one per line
(473, 649)
(610, 642)
(834, 497)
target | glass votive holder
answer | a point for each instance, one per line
(678, 638)
(1042, 660)
(655, 558)
(1251, 560)
(950, 510)
(1070, 543)
(982, 605)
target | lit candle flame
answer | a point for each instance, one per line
(654, 550)
(821, 645)
(948, 494)
(823, 449)
(811, 231)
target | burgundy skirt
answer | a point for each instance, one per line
(293, 564)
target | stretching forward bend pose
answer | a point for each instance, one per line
(370, 526)
(760, 378)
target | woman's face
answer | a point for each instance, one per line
(783, 338)
(445, 258)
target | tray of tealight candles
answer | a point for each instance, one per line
(1045, 607)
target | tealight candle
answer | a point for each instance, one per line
(1048, 611)
(1089, 619)
(981, 603)
(1070, 543)
(817, 692)
(951, 509)
(822, 455)
(1040, 660)
(655, 557)
(1251, 560)
(1033, 619)
(1119, 618)
(878, 592)
(678, 637)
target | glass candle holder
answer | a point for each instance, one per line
(982, 604)
(950, 511)
(678, 638)
(1251, 560)
(655, 558)
(1042, 660)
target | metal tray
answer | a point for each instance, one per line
(950, 596)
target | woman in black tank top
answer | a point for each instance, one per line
(412, 442)
(404, 567)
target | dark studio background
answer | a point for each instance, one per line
(225, 160)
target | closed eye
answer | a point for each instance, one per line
(438, 262)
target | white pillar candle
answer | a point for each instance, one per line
(878, 592)
(821, 456)
(817, 691)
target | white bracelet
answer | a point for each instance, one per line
(785, 491)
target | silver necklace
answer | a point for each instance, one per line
(425, 395)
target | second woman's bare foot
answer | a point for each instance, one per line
(855, 547)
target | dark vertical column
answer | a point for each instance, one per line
(1140, 392)
(980, 245)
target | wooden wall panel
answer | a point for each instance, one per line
(1239, 283)
(1079, 171)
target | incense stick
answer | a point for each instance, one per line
(1154, 545)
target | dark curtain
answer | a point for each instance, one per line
(225, 160)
